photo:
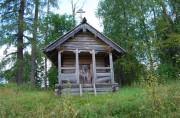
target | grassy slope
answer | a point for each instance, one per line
(128, 102)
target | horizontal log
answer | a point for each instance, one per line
(97, 47)
(103, 74)
(68, 65)
(103, 79)
(62, 86)
(69, 68)
(68, 71)
(103, 68)
(68, 76)
(76, 86)
(69, 81)
(88, 89)
(83, 35)
(106, 84)
(103, 89)
(70, 90)
(87, 85)
(82, 39)
(87, 46)
(77, 90)
(86, 42)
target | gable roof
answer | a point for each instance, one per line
(84, 26)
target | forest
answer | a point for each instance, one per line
(149, 31)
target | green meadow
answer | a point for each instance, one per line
(137, 101)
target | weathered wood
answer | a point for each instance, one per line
(68, 76)
(63, 38)
(80, 89)
(68, 68)
(94, 66)
(111, 66)
(71, 81)
(84, 28)
(59, 67)
(88, 89)
(87, 85)
(95, 47)
(103, 74)
(103, 67)
(63, 86)
(74, 39)
(77, 66)
(88, 40)
(103, 79)
(94, 86)
(70, 62)
(83, 43)
(105, 39)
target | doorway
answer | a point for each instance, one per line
(85, 73)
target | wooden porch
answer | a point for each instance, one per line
(102, 77)
(84, 58)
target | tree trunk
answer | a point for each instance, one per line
(20, 70)
(45, 58)
(33, 50)
(45, 78)
(148, 43)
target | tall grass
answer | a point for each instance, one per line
(137, 101)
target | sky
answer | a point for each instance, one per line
(90, 7)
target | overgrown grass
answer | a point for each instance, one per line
(136, 102)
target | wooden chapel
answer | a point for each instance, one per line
(84, 58)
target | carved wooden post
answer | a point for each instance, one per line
(77, 66)
(94, 66)
(111, 66)
(59, 67)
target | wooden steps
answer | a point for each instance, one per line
(80, 89)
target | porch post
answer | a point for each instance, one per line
(111, 66)
(59, 67)
(94, 66)
(77, 66)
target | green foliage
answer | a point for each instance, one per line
(27, 67)
(167, 72)
(52, 76)
(58, 26)
(149, 100)
(124, 27)
(150, 35)
(160, 99)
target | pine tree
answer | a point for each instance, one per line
(12, 29)
(34, 44)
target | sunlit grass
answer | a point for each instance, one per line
(24, 101)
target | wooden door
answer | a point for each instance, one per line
(85, 74)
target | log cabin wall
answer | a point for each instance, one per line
(70, 62)
(85, 41)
